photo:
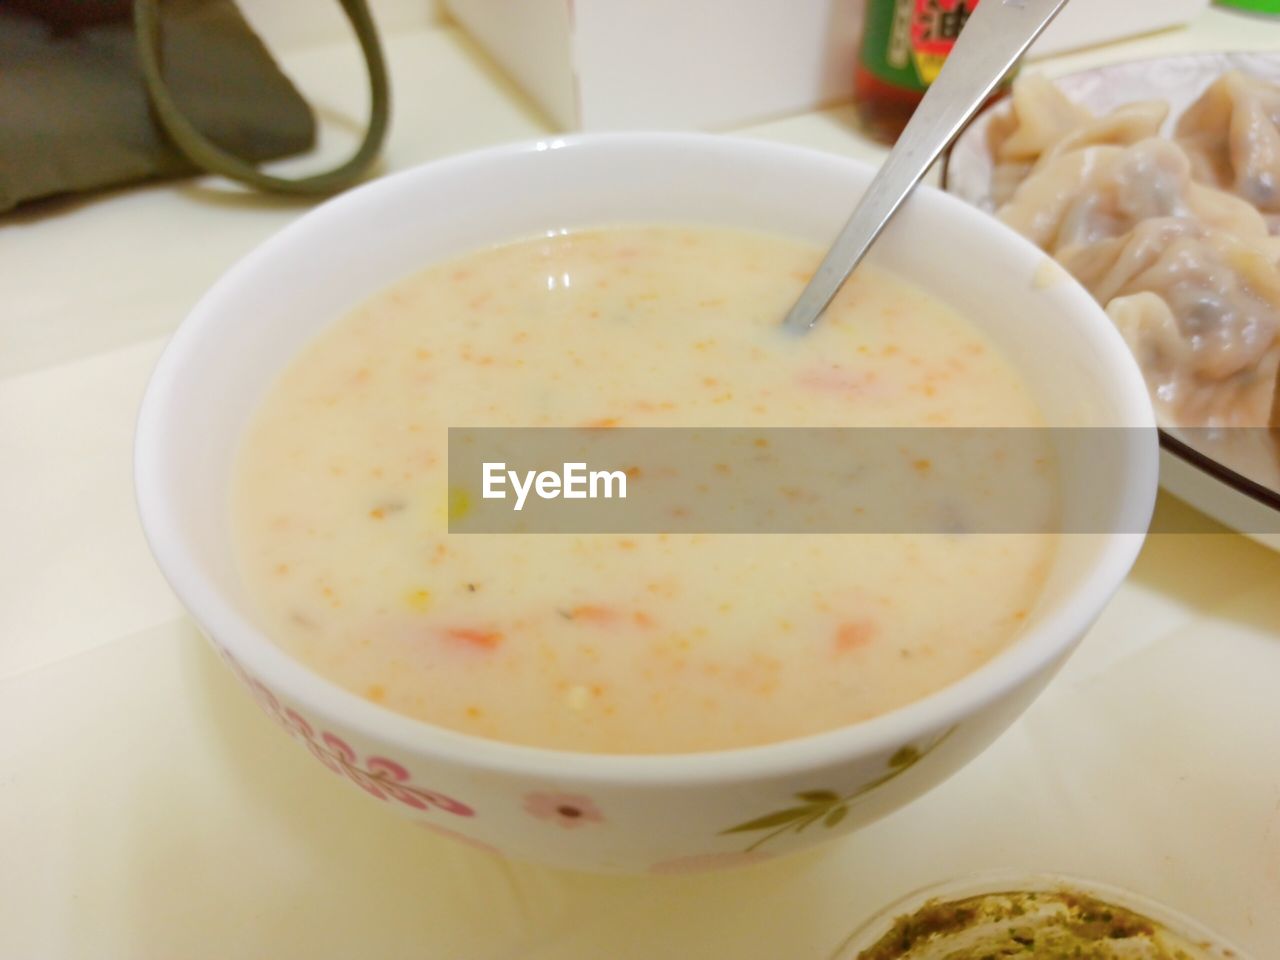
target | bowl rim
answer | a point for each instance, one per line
(1012, 667)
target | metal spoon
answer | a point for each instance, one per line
(996, 34)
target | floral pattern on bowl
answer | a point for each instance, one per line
(568, 810)
(377, 776)
(826, 805)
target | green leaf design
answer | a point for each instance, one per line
(771, 820)
(827, 805)
(818, 796)
(904, 757)
(814, 816)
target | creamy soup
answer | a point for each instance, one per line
(610, 643)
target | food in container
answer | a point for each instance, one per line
(1153, 182)
(1038, 917)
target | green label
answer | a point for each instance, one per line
(905, 42)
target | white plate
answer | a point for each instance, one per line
(1208, 484)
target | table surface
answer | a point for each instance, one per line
(148, 810)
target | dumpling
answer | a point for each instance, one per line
(1232, 135)
(1041, 115)
(1182, 392)
(1224, 294)
(1171, 236)
(1100, 193)
(1189, 273)
(1124, 125)
(1043, 124)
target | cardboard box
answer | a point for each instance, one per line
(713, 64)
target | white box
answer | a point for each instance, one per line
(673, 64)
(1087, 23)
(712, 64)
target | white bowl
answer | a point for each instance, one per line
(624, 813)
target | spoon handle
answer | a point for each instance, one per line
(996, 34)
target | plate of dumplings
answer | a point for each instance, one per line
(1156, 184)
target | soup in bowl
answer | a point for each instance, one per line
(635, 696)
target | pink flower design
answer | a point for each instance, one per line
(707, 862)
(569, 810)
(378, 776)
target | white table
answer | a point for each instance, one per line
(147, 810)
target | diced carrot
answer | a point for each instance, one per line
(835, 380)
(482, 639)
(593, 613)
(854, 634)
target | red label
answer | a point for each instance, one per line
(937, 23)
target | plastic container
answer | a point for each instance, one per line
(1175, 931)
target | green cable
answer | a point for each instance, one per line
(208, 156)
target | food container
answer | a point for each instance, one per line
(990, 914)
(662, 813)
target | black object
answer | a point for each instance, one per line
(91, 97)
